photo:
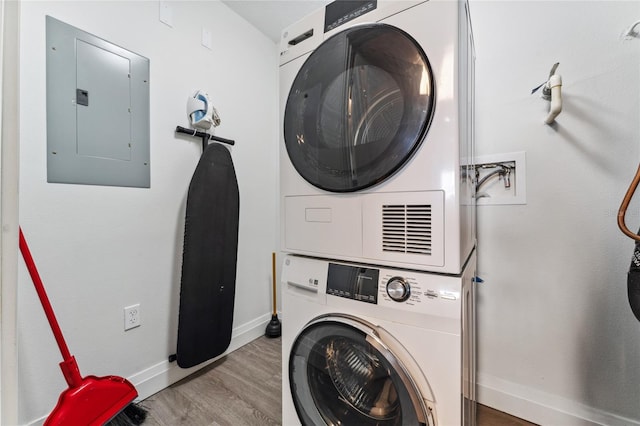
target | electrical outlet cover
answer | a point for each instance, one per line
(131, 317)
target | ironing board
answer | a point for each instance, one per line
(207, 286)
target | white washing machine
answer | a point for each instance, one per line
(376, 102)
(363, 345)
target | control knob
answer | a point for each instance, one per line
(398, 289)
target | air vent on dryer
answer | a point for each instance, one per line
(406, 228)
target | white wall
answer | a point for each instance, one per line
(102, 248)
(558, 343)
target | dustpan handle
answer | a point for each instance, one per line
(46, 305)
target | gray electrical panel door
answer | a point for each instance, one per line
(97, 110)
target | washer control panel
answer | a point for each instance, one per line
(375, 291)
(388, 287)
(353, 282)
(413, 289)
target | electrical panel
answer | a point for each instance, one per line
(97, 110)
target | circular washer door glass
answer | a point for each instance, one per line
(338, 377)
(359, 107)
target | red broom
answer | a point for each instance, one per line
(89, 400)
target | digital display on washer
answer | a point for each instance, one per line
(353, 282)
(342, 11)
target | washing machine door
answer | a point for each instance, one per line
(359, 107)
(342, 373)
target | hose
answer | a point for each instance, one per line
(622, 211)
(488, 176)
(633, 276)
(502, 171)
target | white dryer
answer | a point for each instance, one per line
(376, 346)
(377, 111)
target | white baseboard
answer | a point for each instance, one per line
(542, 408)
(159, 376)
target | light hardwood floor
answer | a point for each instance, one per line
(244, 388)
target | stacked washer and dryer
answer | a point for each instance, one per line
(378, 215)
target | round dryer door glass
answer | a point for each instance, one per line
(359, 107)
(339, 376)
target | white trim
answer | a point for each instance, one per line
(541, 407)
(9, 163)
(1, 198)
(163, 374)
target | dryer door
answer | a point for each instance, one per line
(341, 372)
(359, 108)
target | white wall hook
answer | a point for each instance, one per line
(551, 91)
(554, 86)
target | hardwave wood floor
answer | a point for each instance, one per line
(244, 388)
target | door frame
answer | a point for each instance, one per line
(9, 172)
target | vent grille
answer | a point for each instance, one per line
(406, 228)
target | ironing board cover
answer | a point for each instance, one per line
(207, 287)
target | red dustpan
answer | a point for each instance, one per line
(89, 400)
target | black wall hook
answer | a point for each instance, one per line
(206, 137)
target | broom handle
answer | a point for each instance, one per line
(46, 305)
(273, 274)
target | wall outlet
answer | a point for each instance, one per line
(131, 317)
